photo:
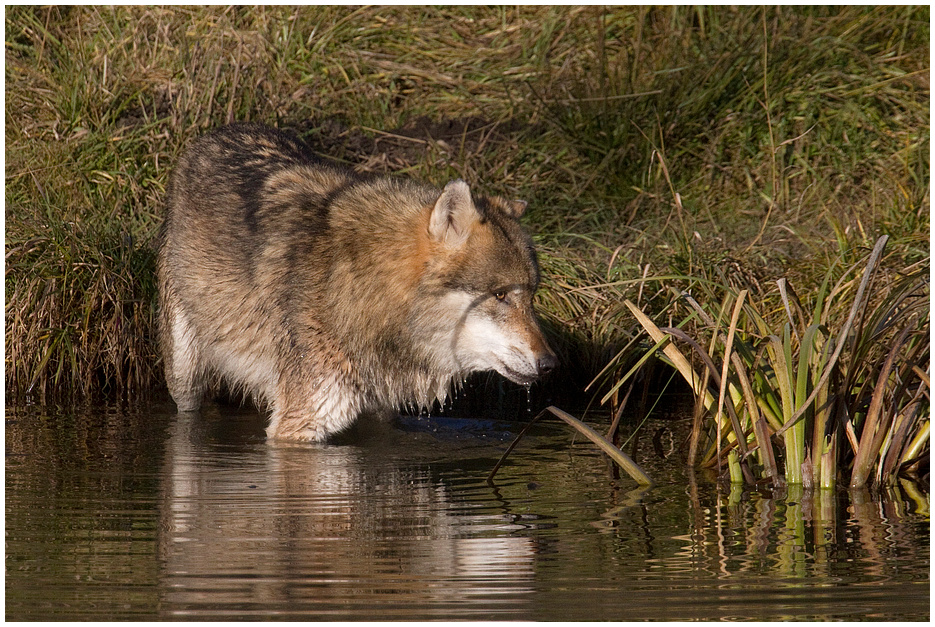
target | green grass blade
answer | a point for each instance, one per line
(856, 308)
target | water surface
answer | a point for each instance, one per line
(137, 513)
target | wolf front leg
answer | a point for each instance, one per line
(311, 409)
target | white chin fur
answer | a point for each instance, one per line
(483, 345)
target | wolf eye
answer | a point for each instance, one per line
(500, 295)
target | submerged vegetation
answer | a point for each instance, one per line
(718, 175)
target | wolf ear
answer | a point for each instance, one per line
(516, 208)
(454, 214)
(510, 208)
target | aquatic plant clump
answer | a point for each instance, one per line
(807, 391)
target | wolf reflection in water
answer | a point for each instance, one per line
(299, 528)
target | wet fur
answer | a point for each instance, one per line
(328, 294)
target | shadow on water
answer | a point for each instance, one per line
(138, 513)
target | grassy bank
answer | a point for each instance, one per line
(662, 150)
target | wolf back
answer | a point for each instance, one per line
(327, 294)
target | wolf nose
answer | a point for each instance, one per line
(546, 363)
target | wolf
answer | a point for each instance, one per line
(326, 294)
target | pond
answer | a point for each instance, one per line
(138, 513)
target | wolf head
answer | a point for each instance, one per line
(487, 275)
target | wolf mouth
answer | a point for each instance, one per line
(516, 376)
